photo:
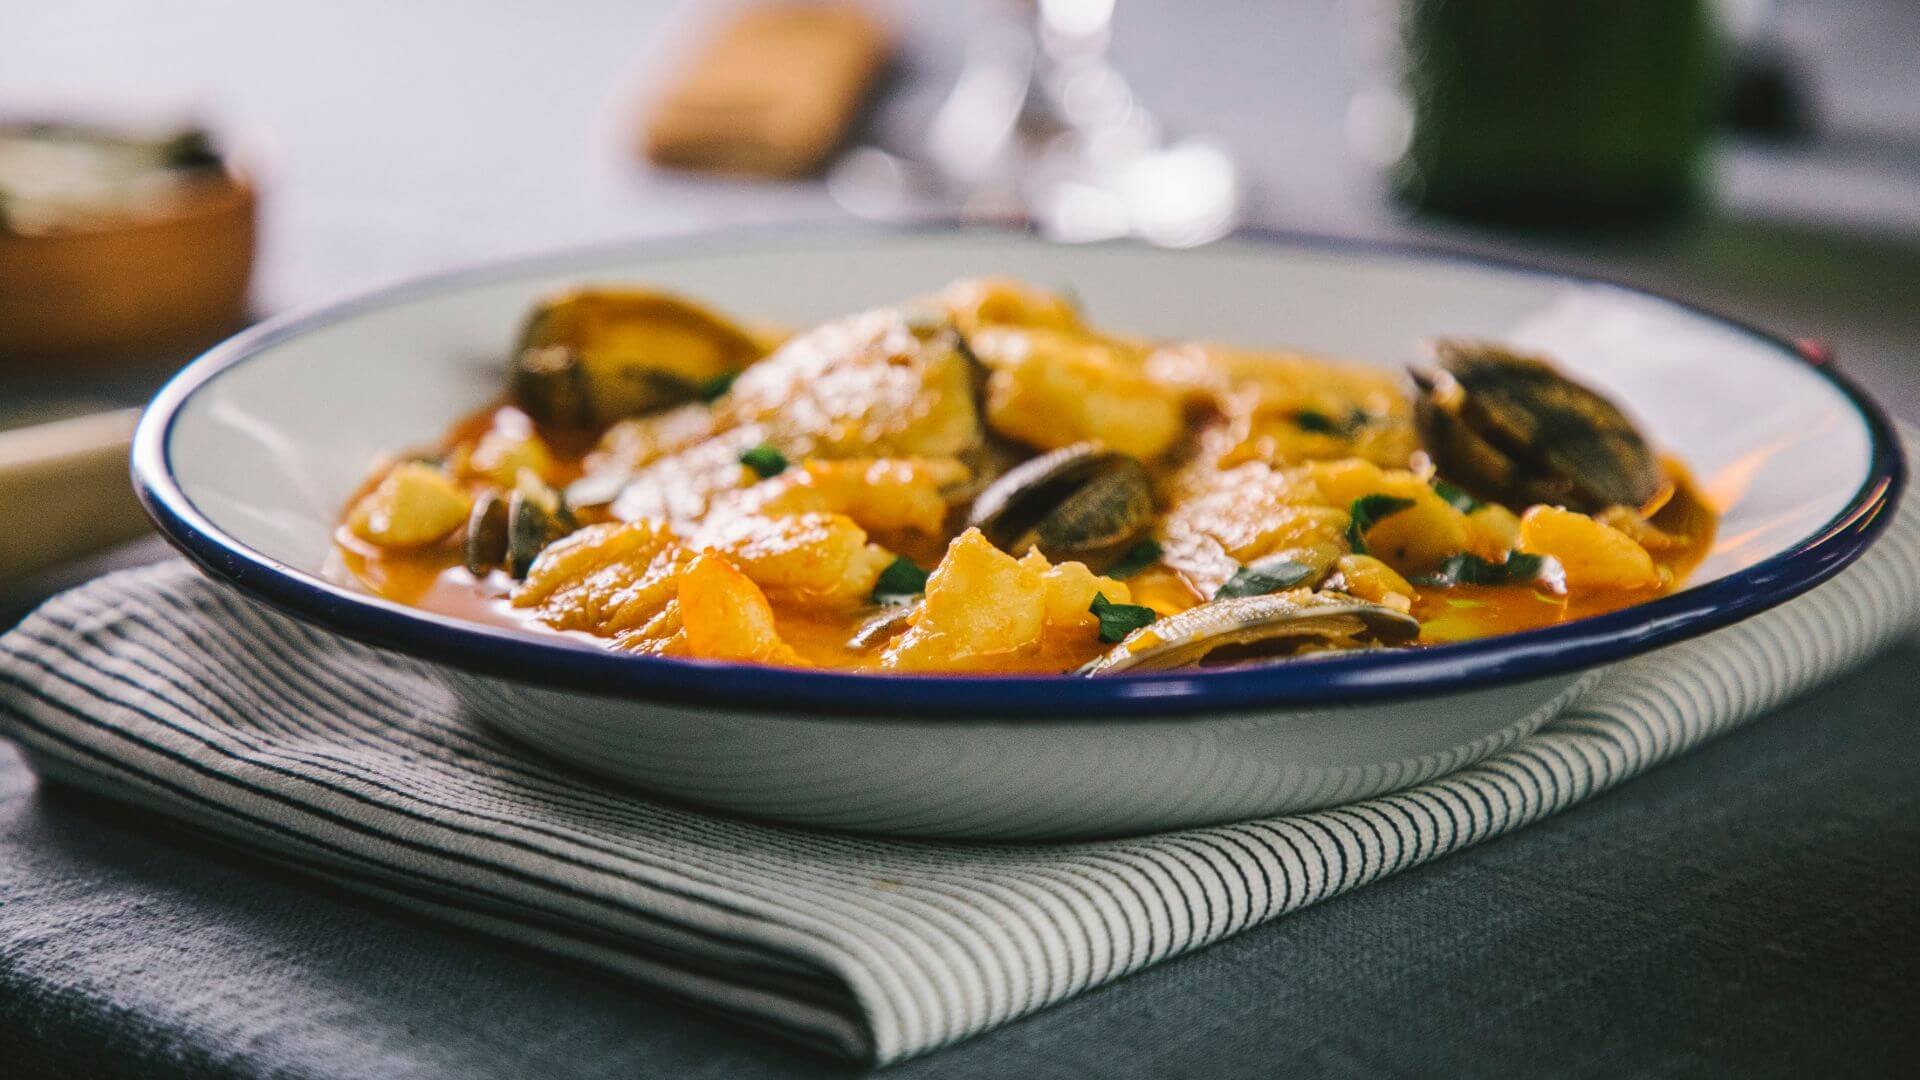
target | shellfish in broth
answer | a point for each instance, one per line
(986, 481)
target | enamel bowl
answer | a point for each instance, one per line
(247, 457)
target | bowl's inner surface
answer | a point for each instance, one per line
(269, 449)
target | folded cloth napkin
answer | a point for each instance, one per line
(160, 688)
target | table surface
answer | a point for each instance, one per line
(1746, 910)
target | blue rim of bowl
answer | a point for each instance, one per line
(1311, 683)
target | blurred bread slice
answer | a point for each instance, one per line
(771, 93)
(65, 486)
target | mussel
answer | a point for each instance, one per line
(536, 515)
(1076, 501)
(1510, 428)
(486, 545)
(1254, 629)
(593, 356)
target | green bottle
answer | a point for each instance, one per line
(1557, 111)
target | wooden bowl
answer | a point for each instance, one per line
(130, 286)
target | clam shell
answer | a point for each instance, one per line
(1512, 428)
(486, 543)
(1256, 628)
(1073, 501)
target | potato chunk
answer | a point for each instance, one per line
(1051, 390)
(1495, 528)
(1070, 589)
(725, 616)
(504, 450)
(982, 609)
(1413, 540)
(1594, 555)
(414, 505)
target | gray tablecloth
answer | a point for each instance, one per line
(1748, 909)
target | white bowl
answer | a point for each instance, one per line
(246, 458)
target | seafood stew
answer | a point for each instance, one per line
(983, 482)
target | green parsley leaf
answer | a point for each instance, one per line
(713, 388)
(899, 583)
(1317, 422)
(1456, 496)
(764, 460)
(1119, 620)
(1135, 559)
(1519, 569)
(1263, 576)
(1368, 511)
(1320, 423)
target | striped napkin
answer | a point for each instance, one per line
(159, 688)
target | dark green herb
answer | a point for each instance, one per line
(764, 460)
(1135, 559)
(1321, 424)
(1317, 422)
(899, 583)
(1456, 496)
(1119, 620)
(1519, 569)
(713, 388)
(1368, 511)
(1264, 576)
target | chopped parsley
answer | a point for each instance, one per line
(1135, 559)
(1520, 568)
(1320, 423)
(1368, 511)
(899, 583)
(713, 388)
(1119, 620)
(1263, 576)
(1456, 496)
(764, 460)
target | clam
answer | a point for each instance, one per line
(486, 545)
(1255, 629)
(1512, 429)
(593, 356)
(1079, 500)
(882, 627)
(536, 516)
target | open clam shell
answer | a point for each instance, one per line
(1075, 501)
(1256, 629)
(536, 516)
(1513, 429)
